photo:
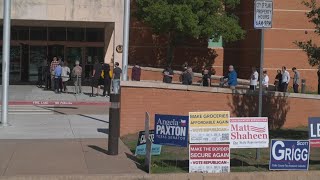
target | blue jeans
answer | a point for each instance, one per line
(116, 85)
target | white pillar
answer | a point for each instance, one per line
(126, 28)
(5, 60)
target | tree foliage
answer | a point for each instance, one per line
(312, 50)
(200, 19)
(194, 18)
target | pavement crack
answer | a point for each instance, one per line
(5, 171)
(84, 156)
(69, 120)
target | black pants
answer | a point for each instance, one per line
(58, 84)
(284, 87)
(318, 87)
(106, 86)
(253, 87)
(47, 80)
(296, 88)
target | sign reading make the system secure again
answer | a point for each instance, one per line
(209, 127)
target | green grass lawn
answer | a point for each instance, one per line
(175, 159)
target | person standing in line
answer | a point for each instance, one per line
(265, 81)
(318, 73)
(254, 79)
(285, 79)
(57, 78)
(76, 74)
(187, 77)
(116, 78)
(47, 77)
(296, 78)
(231, 78)
(167, 75)
(96, 75)
(206, 79)
(65, 76)
(106, 80)
(278, 80)
(53, 65)
(136, 73)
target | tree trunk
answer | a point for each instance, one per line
(171, 47)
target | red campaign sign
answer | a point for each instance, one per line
(315, 143)
(209, 151)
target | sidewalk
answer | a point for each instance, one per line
(30, 93)
(62, 157)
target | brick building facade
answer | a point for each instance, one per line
(289, 24)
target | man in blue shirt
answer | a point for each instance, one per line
(58, 79)
(232, 78)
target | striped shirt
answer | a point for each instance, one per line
(53, 65)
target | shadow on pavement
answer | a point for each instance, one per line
(103, 130)
(99, 149)
(138, 162)
(101, 120)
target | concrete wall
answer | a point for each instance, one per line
(283, 110)
(109, 12)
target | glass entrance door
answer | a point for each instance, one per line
(73, 54)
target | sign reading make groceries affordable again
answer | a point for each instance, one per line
(209, 127)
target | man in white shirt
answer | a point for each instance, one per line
(265, 81)
(254, 79)
(285, 79)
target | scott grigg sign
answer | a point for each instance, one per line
(289, 155)
(171, 130)
(314, 131)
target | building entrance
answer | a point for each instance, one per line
(31, 46)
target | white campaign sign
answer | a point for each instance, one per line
(263, 10)
(249, 132)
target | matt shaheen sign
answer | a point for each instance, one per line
(249, 132)
(263, 11)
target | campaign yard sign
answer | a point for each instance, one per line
(314, 131)
(209, 158)
(289, 155)
(249, 132)
(141, 145)
(171, 130)
(209, 127)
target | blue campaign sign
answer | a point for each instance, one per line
(314, 131)
(289, 155)
(171, 130)
(141, 145)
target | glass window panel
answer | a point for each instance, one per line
(95, 35)
(1, 32)
(37, 57)
(73, 54)
(19, 33)
(15, 66)
(57, 33)
(38, 33)
(75, 34)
